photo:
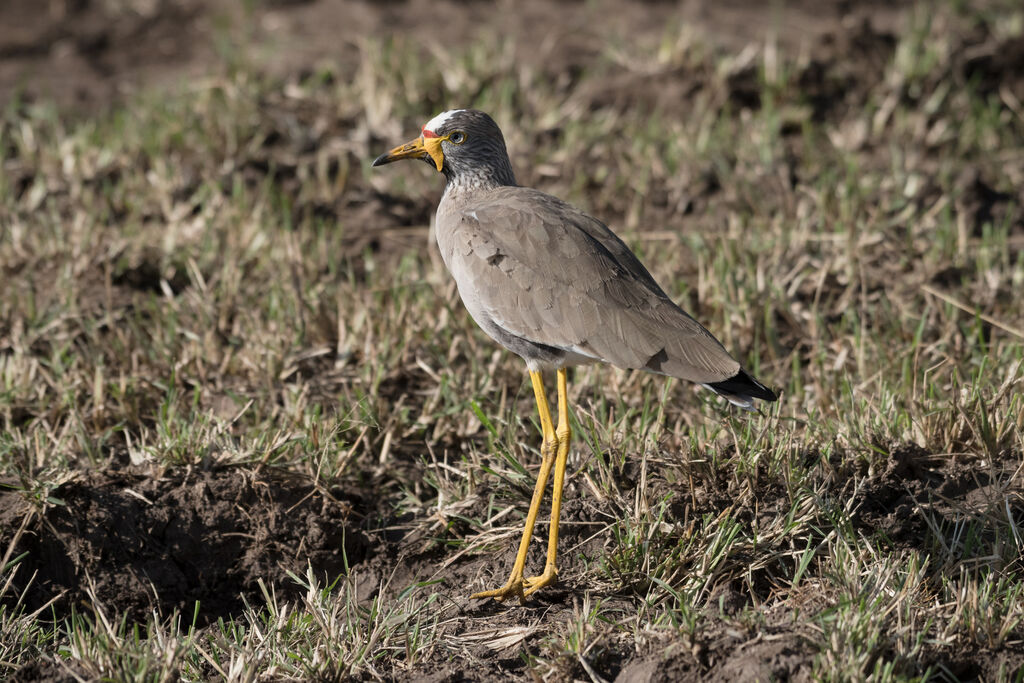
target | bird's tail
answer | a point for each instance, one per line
(741, 389)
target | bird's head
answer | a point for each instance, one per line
(459, 142)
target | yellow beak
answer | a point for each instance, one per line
(420, 148)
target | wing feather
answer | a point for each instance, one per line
(545, 271)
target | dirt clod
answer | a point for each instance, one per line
(141, 543)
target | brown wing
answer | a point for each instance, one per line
(549, 273)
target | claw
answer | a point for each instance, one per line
(513, 587)
(535, 583)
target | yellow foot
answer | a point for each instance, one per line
(514, 587)
(535, 583)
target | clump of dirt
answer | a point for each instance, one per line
(905, 501)
(142, 543)
(888, 502)
(976, 663)
(722, 652)
(50, 671)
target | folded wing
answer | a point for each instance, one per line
(549, 273)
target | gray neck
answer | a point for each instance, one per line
(478, 179)
(495, 171)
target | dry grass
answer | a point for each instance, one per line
(214, 278)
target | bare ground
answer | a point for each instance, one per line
(138, 543)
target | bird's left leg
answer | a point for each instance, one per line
(563, 432)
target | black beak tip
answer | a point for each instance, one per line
(381, 160)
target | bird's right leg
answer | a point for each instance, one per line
(563, 434)
(548, 449)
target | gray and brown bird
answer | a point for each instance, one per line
(557, 287)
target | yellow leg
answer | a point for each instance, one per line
(514, 585)
(563, 434)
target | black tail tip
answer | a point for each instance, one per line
(743, 386)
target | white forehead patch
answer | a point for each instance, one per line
(433, 124)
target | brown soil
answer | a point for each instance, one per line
(141, 542)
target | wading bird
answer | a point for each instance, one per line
(557, 287)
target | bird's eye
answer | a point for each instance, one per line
(458, 137)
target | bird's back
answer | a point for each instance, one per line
(545, 272)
